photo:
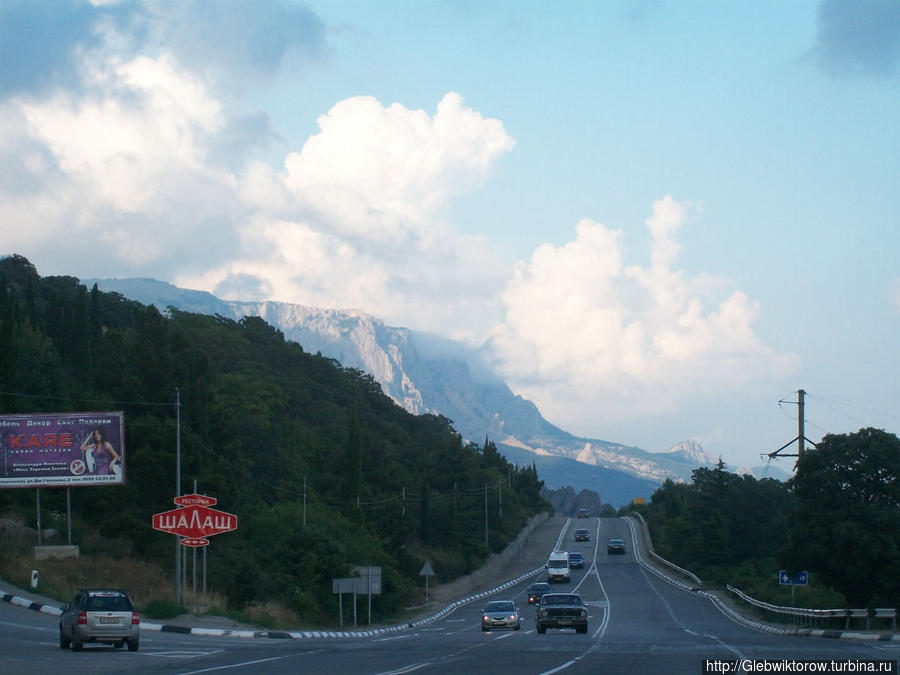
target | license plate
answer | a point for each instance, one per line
(564, 622)
(109, 619)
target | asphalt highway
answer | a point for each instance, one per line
(638, 623)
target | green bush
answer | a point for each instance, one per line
(162, 609)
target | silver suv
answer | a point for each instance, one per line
(106, 616)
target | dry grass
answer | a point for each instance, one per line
(145, 582)
(60, 579)
(270, 615)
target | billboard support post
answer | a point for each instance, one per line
(40, 540)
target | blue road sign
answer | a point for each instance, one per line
(799, 579)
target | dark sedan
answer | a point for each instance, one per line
(535, 591)
(615, 546)
(582, 535)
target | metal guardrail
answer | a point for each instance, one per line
(658, 558)
(801, 615)
(820, 615)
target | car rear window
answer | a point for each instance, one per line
(107, 603)
(562, 599)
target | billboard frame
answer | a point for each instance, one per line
(45, 449)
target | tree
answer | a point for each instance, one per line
(846, 526)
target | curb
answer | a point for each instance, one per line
(285, 635)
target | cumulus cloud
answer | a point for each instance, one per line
(394, 159)
(118, 168)
(354, 219)
(581, 327)
(858, 38)
(142, 168)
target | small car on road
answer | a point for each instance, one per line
(615, 546)
(582, 535)
(583, 513)
(561, 610)
(500, 614)
(535, 591)
(576, 560)
(100, 615)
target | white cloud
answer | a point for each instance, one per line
(117, 169)
(589, 338)
(355, 218)
(393, 159)
(125, 166)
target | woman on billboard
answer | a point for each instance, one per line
(99, 454)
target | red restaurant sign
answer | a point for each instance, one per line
(194, 520)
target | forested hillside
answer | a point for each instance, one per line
(269, 430)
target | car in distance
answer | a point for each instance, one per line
(615, 546)
(582, 535)
(500, 614)
(576, 560)
(536, 590)
(583, 513)
(98, 615)
(561, 610)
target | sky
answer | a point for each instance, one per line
(659, 220)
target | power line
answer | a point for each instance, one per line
(105, 401)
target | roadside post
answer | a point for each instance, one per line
(798, 579)
(426, 572)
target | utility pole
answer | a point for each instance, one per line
(801, 433)
(485, 516)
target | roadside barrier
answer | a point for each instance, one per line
(821, 617)
(801, 616)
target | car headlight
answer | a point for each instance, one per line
(583, 612)
(485, 618)
(544, 612)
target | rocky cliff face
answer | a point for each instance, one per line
(429, 374)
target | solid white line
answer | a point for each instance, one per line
(407, 669)
(234, 665)
(559, 668)
(733, 650)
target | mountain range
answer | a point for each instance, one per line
(425, 373)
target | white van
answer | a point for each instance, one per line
(558, 567)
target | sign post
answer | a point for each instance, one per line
(371, 574)
(798, 579)
(426, 572)
(193, 523)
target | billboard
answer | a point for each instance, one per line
(62, 449)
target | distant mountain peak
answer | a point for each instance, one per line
(693, 452)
